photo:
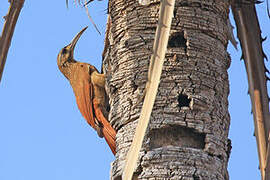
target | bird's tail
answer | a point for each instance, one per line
(109, 135)
(108, 131)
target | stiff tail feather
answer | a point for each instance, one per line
(109, 136)
(108, 131)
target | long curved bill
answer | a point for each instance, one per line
(75, 40)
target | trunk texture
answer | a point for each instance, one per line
(187, 137)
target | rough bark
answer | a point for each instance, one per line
(187, 137)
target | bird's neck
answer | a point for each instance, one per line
(67, 69)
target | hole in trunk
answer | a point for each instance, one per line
(176, 136)
(183, 100)
(177, 40)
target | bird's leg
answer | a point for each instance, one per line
(98, 79)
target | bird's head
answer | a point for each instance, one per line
(65, 56)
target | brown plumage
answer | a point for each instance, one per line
(89, 88)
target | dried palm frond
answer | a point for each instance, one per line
(87, 11)
(79, 2)
(90, 18)
(267, 5)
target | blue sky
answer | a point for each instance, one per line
(42, 134)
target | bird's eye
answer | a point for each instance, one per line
(64, 51)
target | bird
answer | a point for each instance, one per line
(89, 89)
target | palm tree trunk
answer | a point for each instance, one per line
(187, 137)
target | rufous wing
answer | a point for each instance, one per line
(89, 107)
(83, 91)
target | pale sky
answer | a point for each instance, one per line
(42, 134)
